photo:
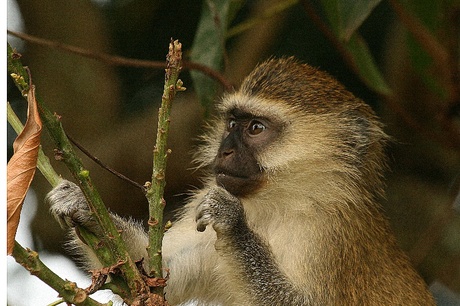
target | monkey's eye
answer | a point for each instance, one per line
(256, 128)
(231, 124)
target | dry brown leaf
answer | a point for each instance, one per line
(22, 165)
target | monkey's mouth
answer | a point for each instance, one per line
(224, 175)
(238, 185)
(226, 180)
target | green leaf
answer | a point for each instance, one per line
(345, 17)
(353, 14)
(331, 10)
(208, 47)
(268, 12)
(367, 68)
(234, 7)
(428, 13)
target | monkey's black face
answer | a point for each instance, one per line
(235, 166)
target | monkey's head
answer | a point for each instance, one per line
(291, 120)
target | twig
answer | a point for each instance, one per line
(66, 289)
(160, 153)
(104, 166)
(121, 61)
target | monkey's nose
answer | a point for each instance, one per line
(227, 153)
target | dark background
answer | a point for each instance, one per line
(111, 110)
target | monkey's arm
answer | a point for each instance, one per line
(68, 205)
(249, 257)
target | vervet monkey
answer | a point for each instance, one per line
(289, 214)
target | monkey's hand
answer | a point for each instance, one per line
(222, 210)
(68, 205)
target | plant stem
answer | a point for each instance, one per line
(66, 289)
(111, 237)
(155, 190)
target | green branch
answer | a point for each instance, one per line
(156, 188)
(111, 237)
(66, 289)
(43, 164)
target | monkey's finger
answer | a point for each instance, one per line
(65, 222)
(200, 227)
(203, 222)
(206, 207)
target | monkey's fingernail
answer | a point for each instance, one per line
(200, 227)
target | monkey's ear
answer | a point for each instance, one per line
(363, 129)
(358, 129)
(366, 134)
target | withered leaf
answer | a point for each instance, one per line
(21, 167)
